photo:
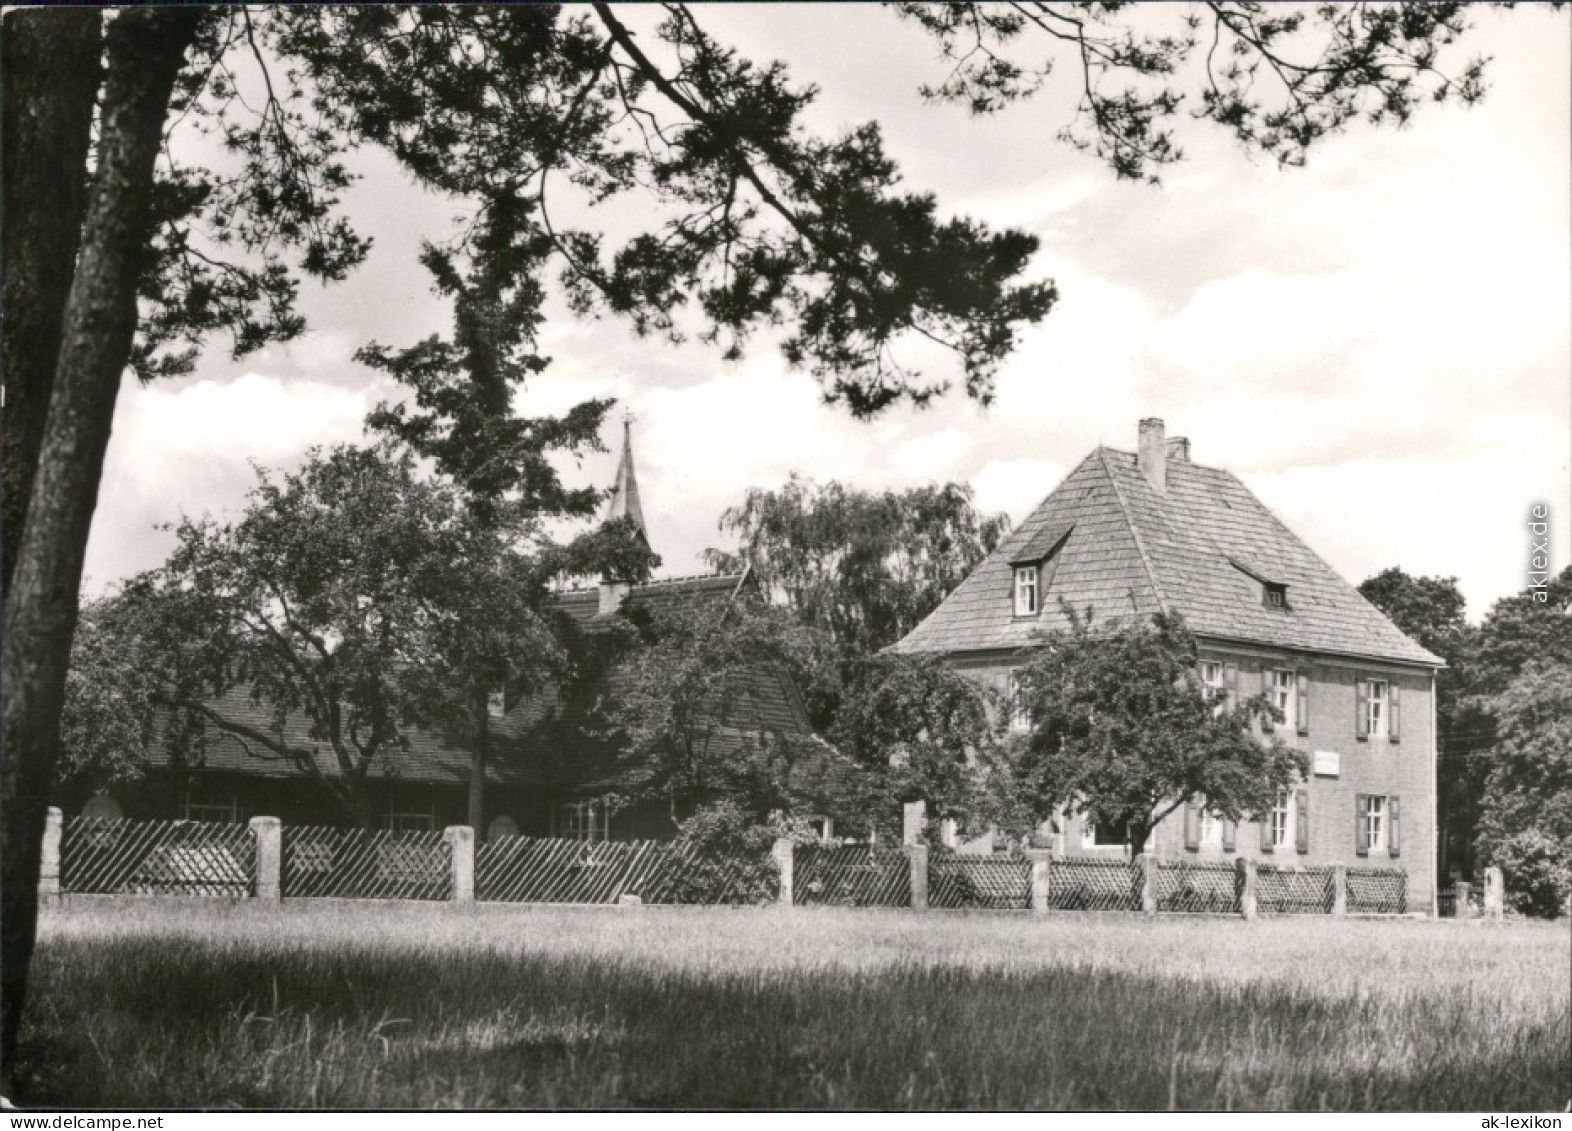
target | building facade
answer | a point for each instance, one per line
(1129, 534)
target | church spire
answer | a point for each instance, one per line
(624, 501)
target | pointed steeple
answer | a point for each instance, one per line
(624, 501)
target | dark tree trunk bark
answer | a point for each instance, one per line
(477, 769)
(145, 49)
(51, 74)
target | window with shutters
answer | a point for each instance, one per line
(1283, 689)
(1375, 823)
(1211, 680)
(1020, 714)
(1026, 591)
(1211, 830)
(1377, 715)
(1282, 821)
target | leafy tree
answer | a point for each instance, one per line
(919, 731)
(698, 702)
(108, 724)
(352, 596)
(1123, 731)
(760, 222)
(1526, 627)
(1526, 823)
(861, 567)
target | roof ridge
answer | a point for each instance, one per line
(1135, 532)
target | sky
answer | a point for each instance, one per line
(1379, 344)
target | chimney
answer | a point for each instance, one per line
(612, 594)
(1151, 458)
(1179, 450)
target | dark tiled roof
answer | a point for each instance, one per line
(544, 739)
(1134, 550)
(583, 605)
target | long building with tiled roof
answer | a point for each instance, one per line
(549, 761)
(1128, 534)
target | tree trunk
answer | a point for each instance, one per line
(477, 768)
(145, 48)
(51, 74)
(1139, 835)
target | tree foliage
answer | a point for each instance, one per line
(1526, 823)
(1121, 729)
(1280, 79)
(919, 731)
(863, 568)
(354, 602)
(700, 703)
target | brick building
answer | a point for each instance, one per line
(1132, 533)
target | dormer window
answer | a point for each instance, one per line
(1026, 591)
(1275, 595)
(1034, 562)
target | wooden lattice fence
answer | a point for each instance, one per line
(531, 870)
(1294, 891)
(1094, 885)
(1188, 885)
(1377, 891)
(366, 864)
(999, 882)
(125, 857)
(851, 875)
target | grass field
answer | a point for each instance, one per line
(325, 1005)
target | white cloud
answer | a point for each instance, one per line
(188, 448)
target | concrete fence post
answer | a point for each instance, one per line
(782, 852)
(914, 820)
(917, 860)
(49, 862)
(1462, 896)
(1495, 893)
(1040, 858)
(1339, 891)
(461, 839)
(1148, 867)
(267, 834)
(1246, 870)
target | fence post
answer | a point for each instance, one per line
(1339, 891)
(1462, 893)
(267, 833)
(782, 851)
(917, 860)
(1040, 858)
(461, 839)
(914, 819)
(1246, 871)
(49, 862)
(1495, 893)
(1148, 866)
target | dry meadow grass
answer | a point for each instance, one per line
(333, 1005)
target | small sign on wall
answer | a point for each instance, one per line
(1326, 763)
